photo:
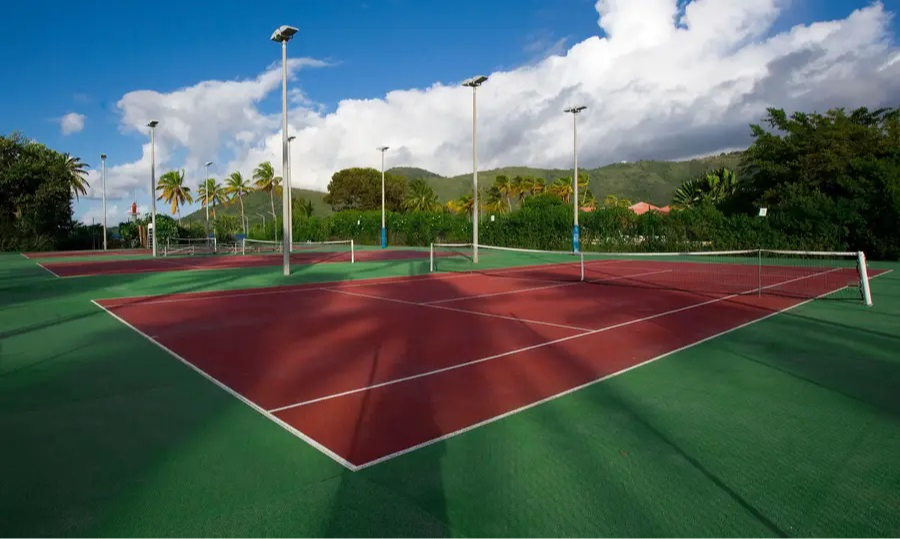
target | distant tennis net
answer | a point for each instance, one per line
(325, 249)
(801, 274)
(189, 246)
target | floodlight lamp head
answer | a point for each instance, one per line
(575, 110)
(152, 124)
(208, 163)
(102, 156)
(284, 33)
(475, 82)
(383, 148)
(292, 137)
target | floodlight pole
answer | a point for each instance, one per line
(576, 232)
(206, 190)
(152, 125)
(290, 173)
(283, 35)
(103, 174)
(382, 149)
(474, 83)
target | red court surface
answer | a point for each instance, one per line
(369, 370)
(94, 252)
(213, 262)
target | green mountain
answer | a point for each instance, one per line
(257, 206)
(647, 181)
(412, 173)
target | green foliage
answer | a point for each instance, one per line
(360, 189)
(173, 191)
(420, 197)
(713, 187)
(36, 190)
(830, 179)
(225, 227)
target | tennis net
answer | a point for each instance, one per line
(315, 250)
(189, 246)
(798, 274)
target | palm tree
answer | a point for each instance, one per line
(462, 204)
(583, 183)
(302, 207)
(174, 191)
(420, 197)
(493, 200)
(211, 192)
(236, 187)
(711, 187)
(268, 182)
(75, 174)
(505, 187)
(525, 188)
(562, 188)
(539, 186)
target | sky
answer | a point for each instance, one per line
(662, 79)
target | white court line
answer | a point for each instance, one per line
(454, 309)
(53, 273)
(291, 289)
(592, 382)
(557, 285)
(334, 456)
(532, 347)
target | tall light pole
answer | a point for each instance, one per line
(382, 149)
(290, 173)
(474, 83)
(283, 35)
(152, 125)
(206, 190)
(103, 174)
(576, 232)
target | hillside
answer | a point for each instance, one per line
(649, 181)
(411, 173)
(257, 204)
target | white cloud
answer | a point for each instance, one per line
(669, 80)
(115, 213)
(72, 123)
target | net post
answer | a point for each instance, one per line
(243, 246)
(759, 273)
(864, 278)
(352, 252)
(581, 255)
(215, 245)
(431, 258)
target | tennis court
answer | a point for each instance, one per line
(370, 370)
(84, 268)
(85, 253)
(522, 395)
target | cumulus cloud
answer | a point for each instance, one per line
(669, 79)
(72, 123)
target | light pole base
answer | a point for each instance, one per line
(383, 238)
(576, 238)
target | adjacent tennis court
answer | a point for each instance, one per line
(303, 255)
(360, 370)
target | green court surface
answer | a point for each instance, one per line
(786, 427)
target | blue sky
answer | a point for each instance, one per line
(97, 52)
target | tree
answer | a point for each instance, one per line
(612, 201)
(235, 188)
(174, 192)
(712, 187)
(583, 187)
(845, 163)
(36, 196)
(302, 207)
(493, 200)
(539, 186)
(75, 174)
(211, 192)
(524, 187)
(421, 197)
(562, 187)
(360, 189)
(463, 204)
(268, 182)
(505, 188)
